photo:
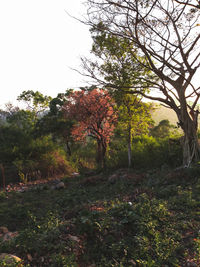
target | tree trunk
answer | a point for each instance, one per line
(69, 152)
(191, 151)
(190, 145)
(129, 146)
(101, 154)
(104, 149)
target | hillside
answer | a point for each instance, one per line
(163, 113)
(125, 218)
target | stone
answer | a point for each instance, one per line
(113, 179)
(5, 235)
(75, 174)
(29, 257)
(73, 238)
(58, 185)
(3, 230)
(10, 235)
(53, 187)
(9, 258)
(191, 264)
(22, 190)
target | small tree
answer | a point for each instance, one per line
(95, 116)
(56, 124)
(134, 119)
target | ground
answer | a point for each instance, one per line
(124, 218)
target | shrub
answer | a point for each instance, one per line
(147, 152)
(125, 231)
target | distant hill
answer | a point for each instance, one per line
(163, 113)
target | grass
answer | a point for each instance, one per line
(141, 219)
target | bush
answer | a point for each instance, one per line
(130, 231)
(147, 152)
(53, 164)
(44, 159)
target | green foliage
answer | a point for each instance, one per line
(55, 123)
(46, 159)
(164, 129)
(2, 195)
(119, 68)
(39, 234)
(197, 246)
(147, 152)
(5, 263)
(121, 224)
(152, 152)
(31, 158)
(134, 115)
(59, 260)
(25, 154)
(36, 101)
(83, 158)
(125, 231)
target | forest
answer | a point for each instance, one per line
(92, 177)
(83, 131)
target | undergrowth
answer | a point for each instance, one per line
(93, 222)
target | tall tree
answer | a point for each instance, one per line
(166, 34)
(55, 123)
(94, 113)
(134, 118)
(121, 70)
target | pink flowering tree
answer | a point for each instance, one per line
(95, 116)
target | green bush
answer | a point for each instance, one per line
(147, 152)
(126, 231)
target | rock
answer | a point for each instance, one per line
(10, 235)
(55, 181)
(60, 185)
(75, 174)
(5, 235)
(191, 264)
(9, 258)
(3, 230)
(29, 257)
(74, 238)
(22, 190)
(113, 178)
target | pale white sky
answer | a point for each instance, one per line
(39, 43)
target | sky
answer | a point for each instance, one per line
(39, 45)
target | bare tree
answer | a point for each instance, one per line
(166, 34)
(193, 4)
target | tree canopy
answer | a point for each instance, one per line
(161, 37)
(93, 110)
